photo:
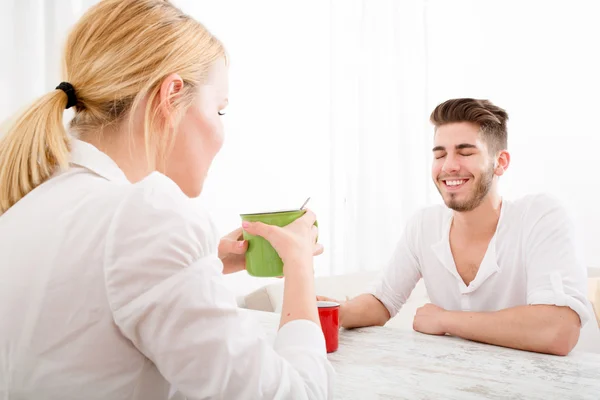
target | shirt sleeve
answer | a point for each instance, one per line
(402, 273)
(165, 289)
(556, 273)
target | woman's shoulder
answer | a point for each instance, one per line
(155, 209)
(158, 238)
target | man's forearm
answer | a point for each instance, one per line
(363, 310)
(538, 328)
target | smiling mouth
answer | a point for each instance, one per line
(453, 184)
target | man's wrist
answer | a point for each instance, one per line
(343, 306)
(448, 321)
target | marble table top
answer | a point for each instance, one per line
(387, 363)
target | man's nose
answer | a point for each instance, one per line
(450, 164)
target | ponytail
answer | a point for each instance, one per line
(117, 55)
(32, 148)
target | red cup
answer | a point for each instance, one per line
(329, 314)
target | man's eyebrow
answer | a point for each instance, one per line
(465, 146)
(460, 146)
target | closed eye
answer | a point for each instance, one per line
(221, 113)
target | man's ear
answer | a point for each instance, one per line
(502, 162)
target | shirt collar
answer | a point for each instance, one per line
(87, 156)
(489, 264)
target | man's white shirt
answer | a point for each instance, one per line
(533, 258)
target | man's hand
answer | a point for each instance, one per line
(323, 298)
(363, 310)
(232, 252)
(541, 328)
(429, 320)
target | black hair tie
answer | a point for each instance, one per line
(70, 91)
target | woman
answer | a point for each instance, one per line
(110, 282)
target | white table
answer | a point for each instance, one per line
(385, 363)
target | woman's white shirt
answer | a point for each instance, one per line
(113, 290)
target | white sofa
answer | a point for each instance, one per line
(269, 298)
(340, 287)
(594, 290)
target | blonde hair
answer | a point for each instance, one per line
(116, 57)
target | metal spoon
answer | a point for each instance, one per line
(303, 205)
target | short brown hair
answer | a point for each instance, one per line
(490, 118)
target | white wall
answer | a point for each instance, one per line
(540, 60)
(276, 152)
(535, 58)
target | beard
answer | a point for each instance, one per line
(482, 186)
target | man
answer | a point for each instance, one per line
(500, 272)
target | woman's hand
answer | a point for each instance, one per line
(295, 243)
(232, 252)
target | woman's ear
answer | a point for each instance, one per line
(170, 89)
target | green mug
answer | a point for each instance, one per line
(262, 259)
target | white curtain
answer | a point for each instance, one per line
(539, 60)
(32, 35)
(277, 147)
(327, 101)
(331, 100)
(394, 61)
(379, 145)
